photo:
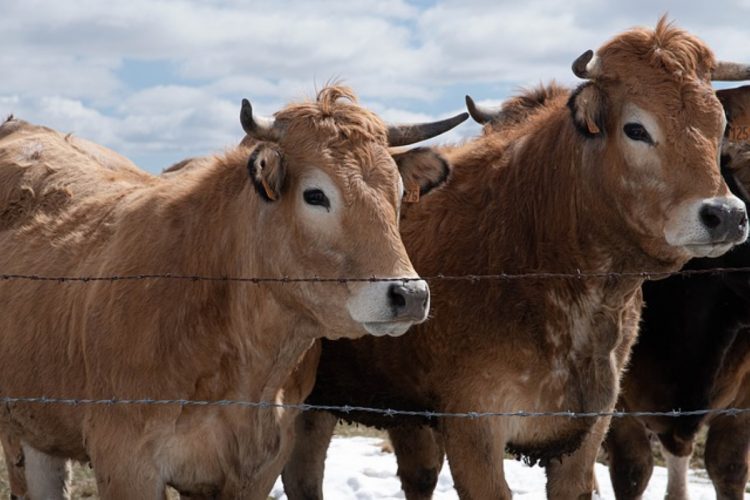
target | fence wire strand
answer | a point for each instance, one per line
(437, 277)
(347, 409)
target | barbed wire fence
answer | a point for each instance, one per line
(349, 409)
(577, 274)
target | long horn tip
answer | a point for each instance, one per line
(403, 135)
(730, 72)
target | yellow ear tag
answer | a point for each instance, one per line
(739, 131)
(269, 192)
(592, 126)
(411, 196)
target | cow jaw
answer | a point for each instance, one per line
(390, 329)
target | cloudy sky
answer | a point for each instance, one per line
(161, 80)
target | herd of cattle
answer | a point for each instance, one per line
(642, 167)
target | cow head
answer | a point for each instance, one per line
(331, 193)
(735, 166)
(653, 127)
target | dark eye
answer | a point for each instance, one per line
(316, 197)
(637, 132)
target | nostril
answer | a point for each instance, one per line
(710, 216)
(396, 296)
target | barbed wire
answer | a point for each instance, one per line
(437, 277)
(347, 409)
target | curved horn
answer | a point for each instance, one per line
(481, 114)
(586, 66)
(403, 135)
(731, 72)
(258, 127)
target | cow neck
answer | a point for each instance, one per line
(227, 229)
(540, 208)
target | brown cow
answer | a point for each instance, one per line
(693, 353)
(317, 194)
(619, 175)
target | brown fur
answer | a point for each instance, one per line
(542, 196)
(63, 211)
(518, 108)
(693, 353)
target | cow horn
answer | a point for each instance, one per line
(256, 126)
(586, 66)
(403, 135)
(482, 114)
(730, 72)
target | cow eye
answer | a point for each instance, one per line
(316, 197)
(637, 132)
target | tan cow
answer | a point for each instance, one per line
(318, 194)
(620, 175)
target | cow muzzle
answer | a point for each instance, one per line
(709, 227)
(725, 220)
(390, 308)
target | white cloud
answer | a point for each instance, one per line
(66, 64)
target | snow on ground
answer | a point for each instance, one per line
(358, 468)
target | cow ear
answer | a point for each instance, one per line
(736, 104)
(587, 104)
(267, 170)
(422, 170)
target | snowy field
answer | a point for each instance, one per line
(357, 468)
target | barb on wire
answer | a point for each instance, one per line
(577, 275)
(43, 400)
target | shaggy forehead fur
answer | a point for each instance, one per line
(671, 51)
(335, 118)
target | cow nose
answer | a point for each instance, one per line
(725, 219)
(409, 300)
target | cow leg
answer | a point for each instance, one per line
(303, 473)
(572, 477)
(14, 461)
(419, 453)
(121, 470)
(631, 462)
(677, 470)
(475, 450)
(727, 447)
(46, 476)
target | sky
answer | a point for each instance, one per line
(162, 80)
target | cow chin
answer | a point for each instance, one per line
(389, 329)
(716, 250)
